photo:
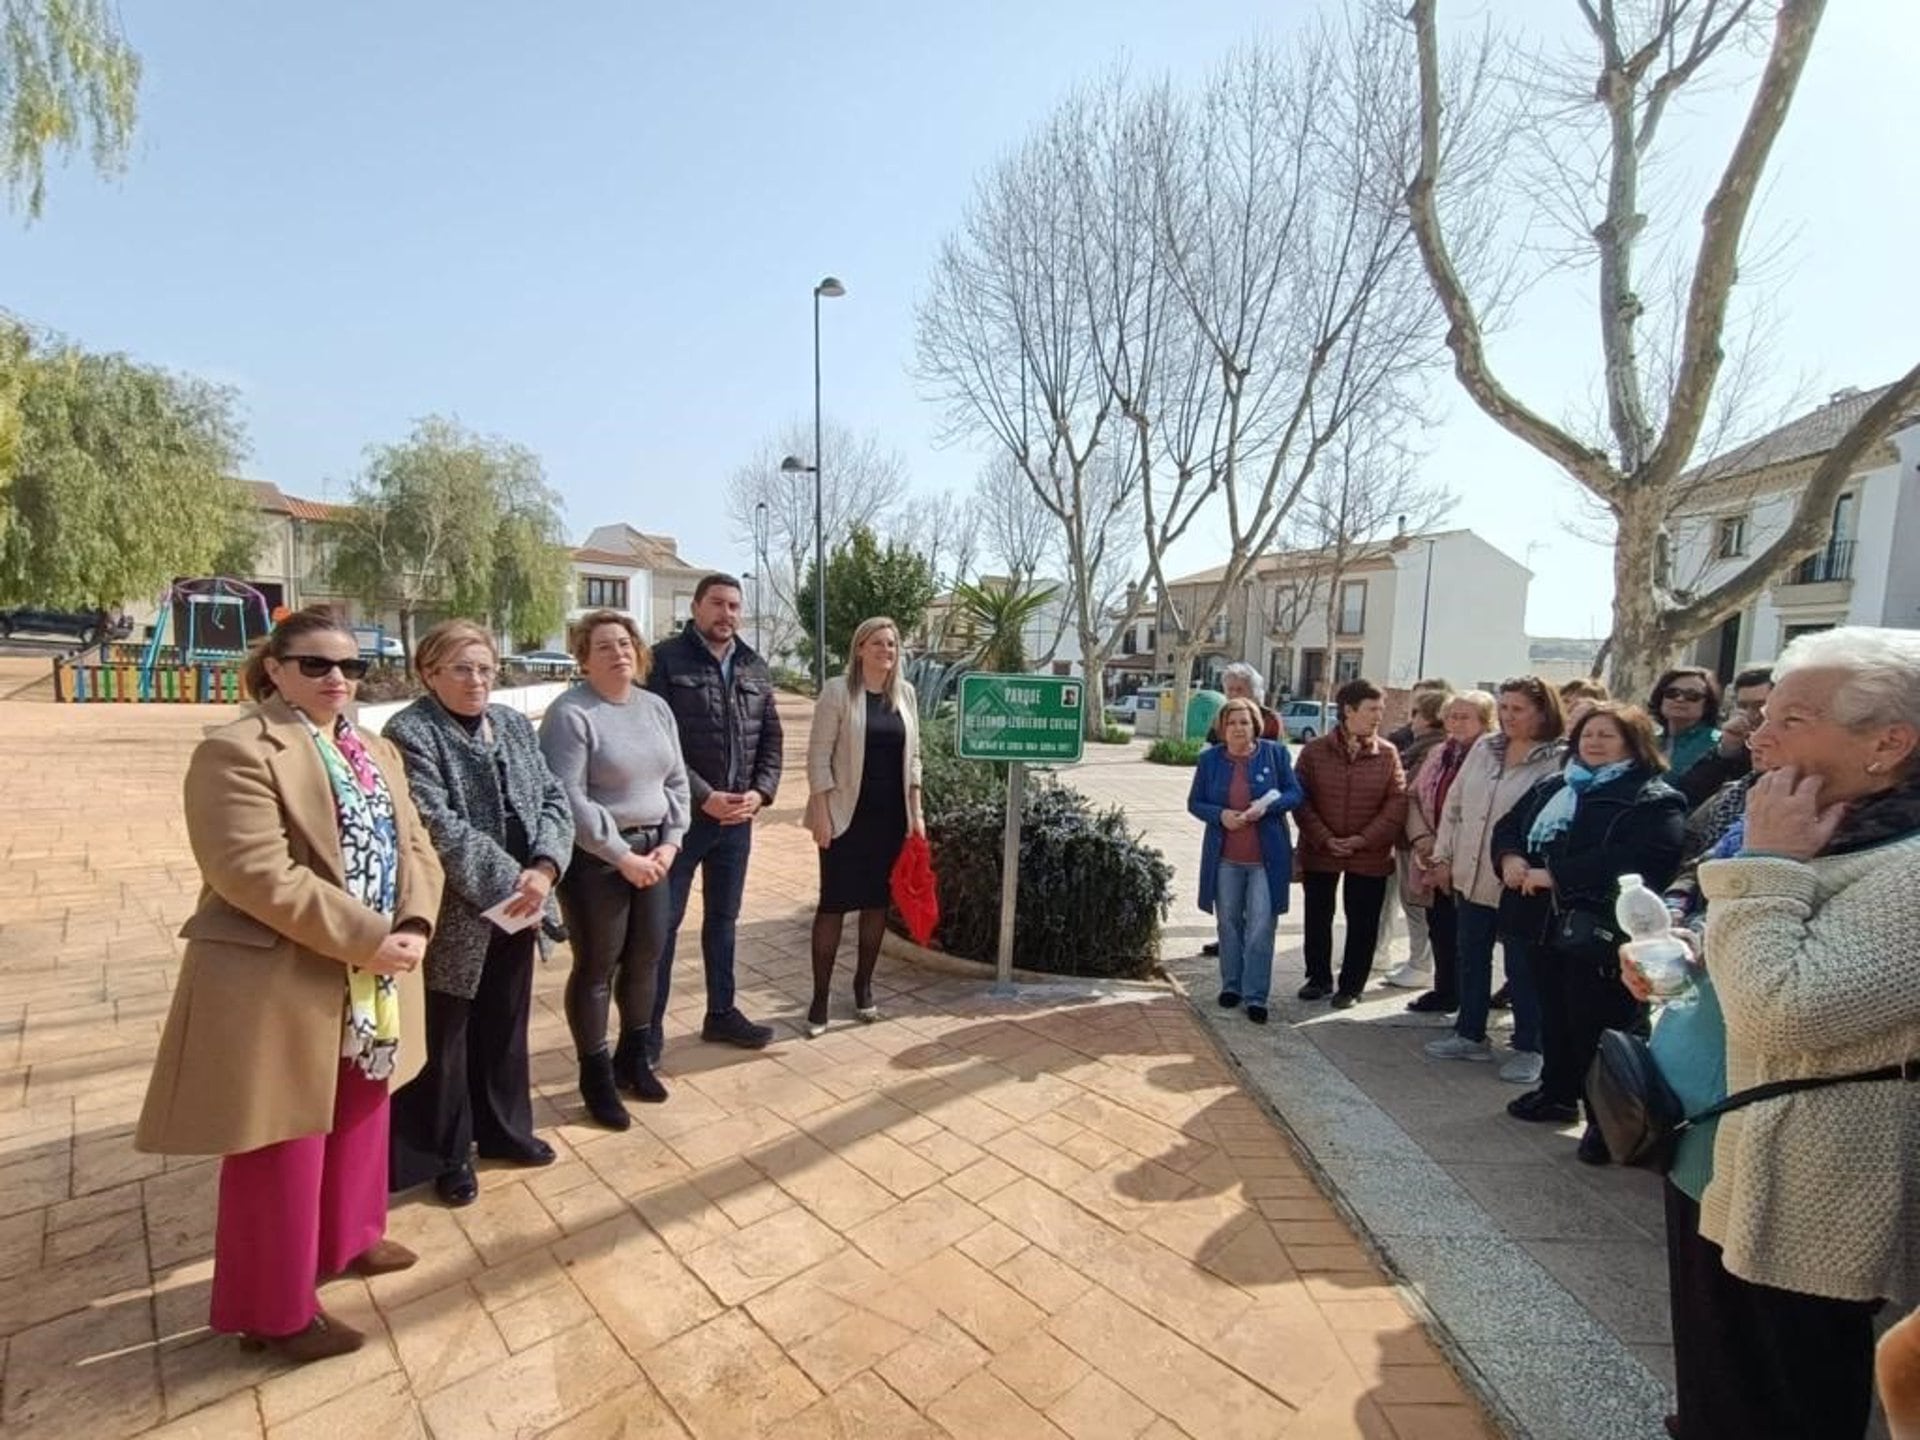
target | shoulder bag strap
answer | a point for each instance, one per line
(1908, 1070)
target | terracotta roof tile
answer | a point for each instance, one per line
(606, 557)
(1814, 433)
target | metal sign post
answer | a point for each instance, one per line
(1010, 871)
(1021, 720)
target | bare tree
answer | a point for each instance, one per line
(1019, 536)
(1281, 212)
(865, 482)
(946, 530)
(1368, 493)
(1208, 293)
(1004, 345)
(1642, 54)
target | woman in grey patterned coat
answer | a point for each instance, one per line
(502, 827)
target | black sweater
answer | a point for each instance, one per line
(1633, 825)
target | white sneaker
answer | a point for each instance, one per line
(1405, 977)
(1457, 1047)
(1522, 1069)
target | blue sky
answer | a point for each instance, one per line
(594, 229)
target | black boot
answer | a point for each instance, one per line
(631, 1071)
(598, 1090)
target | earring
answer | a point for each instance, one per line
(1873, 767)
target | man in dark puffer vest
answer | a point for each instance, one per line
(722, 698)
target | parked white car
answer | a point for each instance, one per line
(1301, 720)
(1146, 715)
(380, 645)
(543, 662)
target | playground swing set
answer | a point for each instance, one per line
(214, 622)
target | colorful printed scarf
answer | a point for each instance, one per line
(1436, 776)
(370, 847)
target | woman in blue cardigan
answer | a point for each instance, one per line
(1242, 790)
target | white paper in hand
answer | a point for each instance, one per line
(1264, 803)
(511, 924)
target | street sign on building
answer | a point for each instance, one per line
(1027, 719)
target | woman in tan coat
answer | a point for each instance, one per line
(863, 774)
(299, 999)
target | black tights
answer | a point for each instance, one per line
(826, 945)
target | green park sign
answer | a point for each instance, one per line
(1031, 719)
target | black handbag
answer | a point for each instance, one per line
(1583, 930)
(1642, 1120)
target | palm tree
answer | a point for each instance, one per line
(993, 616)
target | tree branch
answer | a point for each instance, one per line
(1717, 263)
(1589, 466)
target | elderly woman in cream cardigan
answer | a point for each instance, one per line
(1810, 1218)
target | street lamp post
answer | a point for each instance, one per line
(759, 568)
(749, 575)
(828, 289)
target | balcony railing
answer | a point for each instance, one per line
(1833, 563)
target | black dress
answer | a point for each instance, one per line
(856, 867)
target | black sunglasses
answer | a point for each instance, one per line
(1675, 692)
(314, 666)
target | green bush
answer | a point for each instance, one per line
(1113, 735)
(1092, 892)
(797, 682)
(947, 782)
(1169, 751)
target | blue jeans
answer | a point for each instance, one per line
(1244, 910)
(720, 853)
(1476, 938)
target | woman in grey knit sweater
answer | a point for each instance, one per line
(615, 749)
(1812, 1214)
(502, 828)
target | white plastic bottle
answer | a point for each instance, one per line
(1663, 961)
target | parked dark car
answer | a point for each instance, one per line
(86, 626)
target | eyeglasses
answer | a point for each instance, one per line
(315, 666)
(1677, 692)
(472, 672)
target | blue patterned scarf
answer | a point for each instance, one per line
(1557, 814)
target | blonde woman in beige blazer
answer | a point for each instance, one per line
(863, 775)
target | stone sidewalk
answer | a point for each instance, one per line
(1059, 1215)
(1545, 1278)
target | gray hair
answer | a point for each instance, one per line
(1256, 682)
(1881, 670)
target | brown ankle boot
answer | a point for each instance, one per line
(383, 1258)
(323, 1338)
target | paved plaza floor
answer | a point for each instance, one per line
(1058, 1215)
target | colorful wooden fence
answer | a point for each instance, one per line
(117, 673)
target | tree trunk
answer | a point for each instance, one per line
(1643, 643)
(1183, 653)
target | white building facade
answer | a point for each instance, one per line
(1867, 574)
(1446, 604)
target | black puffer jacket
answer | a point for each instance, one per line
(1632, 825)
(730, 735)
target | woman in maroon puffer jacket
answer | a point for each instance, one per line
(1355, 807)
